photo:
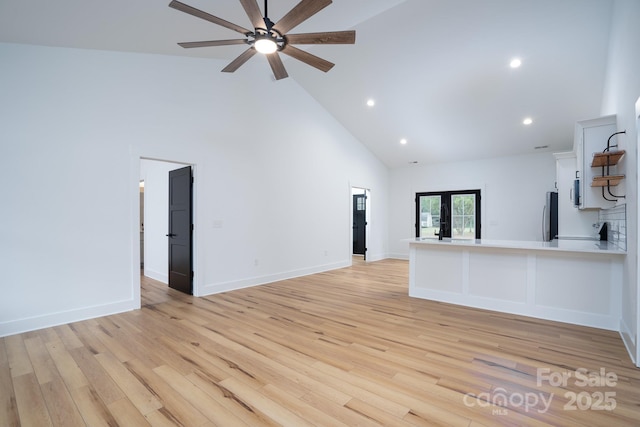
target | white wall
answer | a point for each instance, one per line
(622, 89)
(272, 187)
(512, 190)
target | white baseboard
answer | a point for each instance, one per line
(155, 275)
(376, 257)
(521, 309)
(19, 326)
(215, 288)
(398, 255)
(628, 338)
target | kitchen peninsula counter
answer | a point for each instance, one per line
(579, 245)
(574, 281)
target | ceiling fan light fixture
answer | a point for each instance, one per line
(270, 38)
(265, 45)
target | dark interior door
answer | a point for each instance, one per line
(180, 230)
(359, 224)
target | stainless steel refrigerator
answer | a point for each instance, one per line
(550, 217)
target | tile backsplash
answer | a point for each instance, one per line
(616, 219)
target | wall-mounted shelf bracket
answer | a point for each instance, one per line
(605, 160)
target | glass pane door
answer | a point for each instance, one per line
(454, 214)
(429, 216)
(463, 216)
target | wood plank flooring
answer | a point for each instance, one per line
(342, 348)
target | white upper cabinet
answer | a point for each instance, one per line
(572, 223)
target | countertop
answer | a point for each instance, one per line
(588, 246)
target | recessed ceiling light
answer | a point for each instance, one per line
(515, 63)
(527, 121)
(403, 141)
(371, 102)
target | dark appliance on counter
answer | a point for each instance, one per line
(604, 231)
(550, 217)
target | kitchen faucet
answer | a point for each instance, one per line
(444, 213)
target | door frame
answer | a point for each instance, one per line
(633, 341)
(135, 159)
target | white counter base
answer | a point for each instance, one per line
(577, 287)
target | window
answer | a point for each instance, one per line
(454, 213)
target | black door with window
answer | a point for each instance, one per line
(180, 230)
(359, 224)
(454, 214)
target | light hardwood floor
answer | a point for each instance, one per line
(342, 348)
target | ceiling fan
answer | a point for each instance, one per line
(270, 38)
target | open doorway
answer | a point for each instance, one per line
(360, 219)
(158, 228)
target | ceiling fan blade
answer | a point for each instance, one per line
(301, 12)
(207, 17)
(333, 37)
(188, 45)
(253, 12)
(307, 58)
(277, 66)
(237, 63)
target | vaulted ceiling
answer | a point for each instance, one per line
(438, 70)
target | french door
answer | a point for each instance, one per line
(454, 214)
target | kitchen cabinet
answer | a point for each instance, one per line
(572, 223)
(591, 137)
